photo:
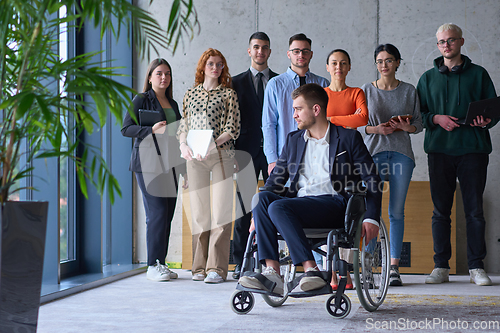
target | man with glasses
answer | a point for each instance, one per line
(250, 87)
(277, 113)
(455, 150)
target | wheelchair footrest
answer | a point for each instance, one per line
(326, 289)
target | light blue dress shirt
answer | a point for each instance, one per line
(277, 112)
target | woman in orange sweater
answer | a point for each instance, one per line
(347, 108)
(346, 105)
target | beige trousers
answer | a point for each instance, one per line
(211, 221)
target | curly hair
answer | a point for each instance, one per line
(224, 78)
(152, 66)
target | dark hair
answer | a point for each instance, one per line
(341, 51)
(261, 36)
(389, 48)
(300, 36)
(152, 66)
(313, 94)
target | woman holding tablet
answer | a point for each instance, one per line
(394, 113)
(156, 96)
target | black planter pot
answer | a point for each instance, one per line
(24, 224)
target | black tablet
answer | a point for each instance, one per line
(149, 117)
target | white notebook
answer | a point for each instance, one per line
(198, 141)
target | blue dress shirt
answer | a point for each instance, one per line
(277, 112)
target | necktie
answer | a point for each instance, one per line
(302, 80)
(260, 88)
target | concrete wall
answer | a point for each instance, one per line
(357, 26)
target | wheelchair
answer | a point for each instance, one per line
(371, 264)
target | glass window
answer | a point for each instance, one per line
(66, 220)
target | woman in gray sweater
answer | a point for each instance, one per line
(394, 113)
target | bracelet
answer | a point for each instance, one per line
(183, 142)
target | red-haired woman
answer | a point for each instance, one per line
(211, 105)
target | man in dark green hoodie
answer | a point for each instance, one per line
(455, 150)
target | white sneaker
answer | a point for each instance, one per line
(157, 272)
(438, 275)
(479, 277)
(173, 275)
(270, 274)
(308, 283)
(213, 277)
(198, 277)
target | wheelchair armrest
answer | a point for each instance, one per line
(359, 189)
(276, 189)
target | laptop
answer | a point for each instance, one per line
(488, 108)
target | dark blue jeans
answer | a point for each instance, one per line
(471, 172)
(288, 216)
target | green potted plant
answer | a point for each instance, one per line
(34, 116)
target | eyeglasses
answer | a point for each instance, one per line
(388, 62)
(305, 52)
(449, 41)
(219, 65)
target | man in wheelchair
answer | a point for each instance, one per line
(320, 160)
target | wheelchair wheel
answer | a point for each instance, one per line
(242, 302)
(287, 270)
(372, 268)
(340, 312)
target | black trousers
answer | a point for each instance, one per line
(470, 169)
(242, 224)
(159, 214)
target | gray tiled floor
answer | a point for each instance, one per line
(137, 305)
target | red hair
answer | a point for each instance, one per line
(224, 78)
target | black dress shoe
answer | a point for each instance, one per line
(237, 271)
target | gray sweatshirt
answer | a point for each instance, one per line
(382, 105)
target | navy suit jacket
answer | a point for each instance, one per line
(250, 138)
(350, 162)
